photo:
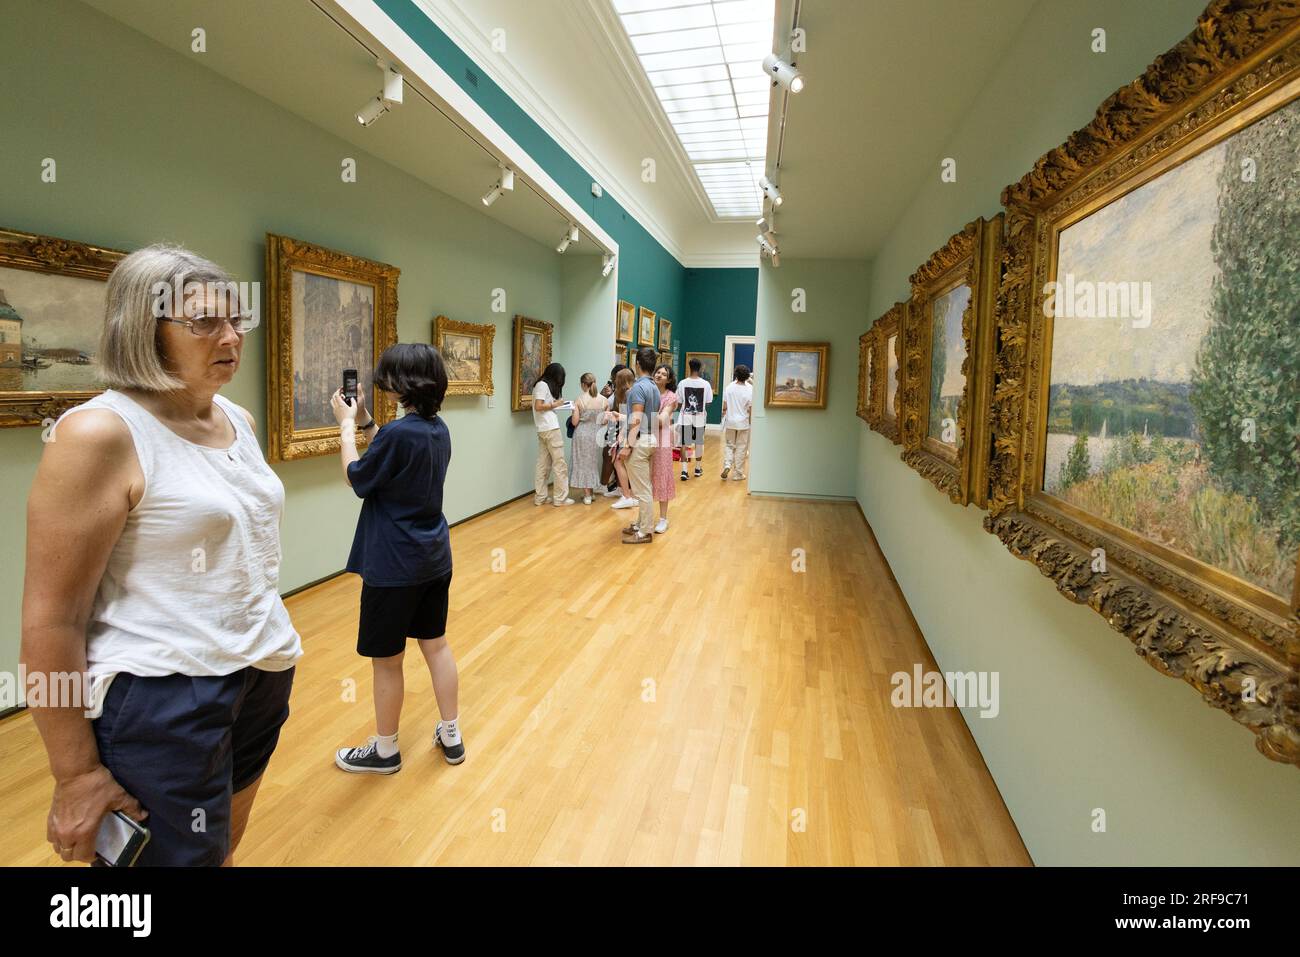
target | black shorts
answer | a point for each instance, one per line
(390, 615)
(183, 746)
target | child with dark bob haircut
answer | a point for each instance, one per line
(402, 549)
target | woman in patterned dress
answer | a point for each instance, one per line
(590, 413)
(661, 465)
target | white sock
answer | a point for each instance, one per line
(385, 745)
(451, 731)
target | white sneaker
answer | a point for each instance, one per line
(661, 526)
(562, 502)
(626, 503)
(610, 493)
(586, 500)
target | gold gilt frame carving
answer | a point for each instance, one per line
(866, 372)
(284, 256)
(1236, 644)
(59, 257)
(881, 418)
(485, 333)
(521, 398)
(972, 257)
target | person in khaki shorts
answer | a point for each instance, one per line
(641, 410)
(550, 441)
(737, 419)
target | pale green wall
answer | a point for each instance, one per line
(152, 147)
(1084, 723)
(809, 451)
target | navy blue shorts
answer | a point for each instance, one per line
(184, 746)
(390, 615)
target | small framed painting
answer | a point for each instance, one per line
(665, 335)
(466, 349)
(709, 365)
(625, 322)
(646, 337)
(796, 375)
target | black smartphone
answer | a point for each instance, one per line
(350, 386)
(120, 840)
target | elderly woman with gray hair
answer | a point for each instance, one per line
(153, 556)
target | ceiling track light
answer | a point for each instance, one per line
(770, 191)
(783, 73)
(607, 264)
(389, 96)
(503, 185)
(570, 237)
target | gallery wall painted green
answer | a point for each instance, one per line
(128, 175)
(719, 303)
(648, 275)
(809, 451)
(1084, 724)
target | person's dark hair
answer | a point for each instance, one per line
(646, 358)
(613, 373)
(415, 371)
(553, 376)
(696, 365)
(742, 373)
(671, 386)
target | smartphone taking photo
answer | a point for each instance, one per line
(120, 840)
(350, 386)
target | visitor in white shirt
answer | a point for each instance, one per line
(737, 416)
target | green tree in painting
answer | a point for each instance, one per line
(1246, 382)
(1076, 466)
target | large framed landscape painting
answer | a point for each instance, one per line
(530, 355)
(948, 352)
(1146, 419)
(796, 375)
(51, 314)
(328, 311)
(466, 349)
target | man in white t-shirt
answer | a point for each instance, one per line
(693, 397)
(737, 416)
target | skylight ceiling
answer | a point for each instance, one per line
(704, 59)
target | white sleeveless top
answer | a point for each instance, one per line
(192, 585)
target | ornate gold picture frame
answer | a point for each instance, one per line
(797, 375)
(665, 335)
(710, 368)
(1236, 643)
(883, 408)
(326, 311)
(466, 349)
(948, 355)
(530, 354)
(866, 372)
(624, 322)
(42, 279)
(648, 331)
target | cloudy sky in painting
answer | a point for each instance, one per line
(59, 312)
(1159, 233)
(950, 307)
(797, 365)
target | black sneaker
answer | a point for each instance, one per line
(366, 759)
(725, 471)
(454, 753)
(699, 472)
(683, 475)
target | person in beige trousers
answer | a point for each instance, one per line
(550, 440)
(638, 450)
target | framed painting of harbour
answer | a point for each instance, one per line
(948, 352)
(466, 349)
(327, 311)
(1146, 440)
(51, 314)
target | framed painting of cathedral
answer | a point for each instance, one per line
(51, 313)
(327, 311)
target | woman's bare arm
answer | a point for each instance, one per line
(87, 481)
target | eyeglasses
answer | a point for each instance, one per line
(209, 326)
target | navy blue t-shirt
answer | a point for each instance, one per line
(402, 535)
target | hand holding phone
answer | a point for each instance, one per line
(350, 386)
(120, 840)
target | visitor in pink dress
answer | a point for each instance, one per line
(661, 464)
